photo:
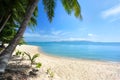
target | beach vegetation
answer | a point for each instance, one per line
(38, 65)
(24, 13)
(8, 33)
(19, 68)
(13, 12)
(32, 58)
(20, 54)
(20, 15)
(50, 73)
(48, 70)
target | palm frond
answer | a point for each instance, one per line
(49, 6)
(35, 13)
(77, 10)
(72, 5)
(67, 5)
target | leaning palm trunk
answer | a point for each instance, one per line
(3, 25)
(6, 54)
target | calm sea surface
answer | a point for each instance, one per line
(82, 50)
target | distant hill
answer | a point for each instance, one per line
(91, 43)
(81, 43)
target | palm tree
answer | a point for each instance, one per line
(13, 14)
(49, 6)
(14, 10)
(16, 14)
(7, 34)
(7, 9)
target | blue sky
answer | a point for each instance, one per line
(101, 23)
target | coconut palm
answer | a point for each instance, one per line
(8, 33)
(14, 10)
(16, 13)
(49, 6)
(8, 10)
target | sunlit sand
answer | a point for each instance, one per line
(72, 69)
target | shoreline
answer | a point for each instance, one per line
(70, 58)
(73, 69)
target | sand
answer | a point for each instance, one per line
(72, 69)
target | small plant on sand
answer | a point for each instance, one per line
(50, 73)
(18, 58)
(38, 65)
(31, 69)
(32, 58)
(20, 54)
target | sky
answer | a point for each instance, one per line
(101, 23)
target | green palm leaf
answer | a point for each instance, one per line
(49, 6)
(72, 5)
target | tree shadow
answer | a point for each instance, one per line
(15, 71)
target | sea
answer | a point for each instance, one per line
(103, 51)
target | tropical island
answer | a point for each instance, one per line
(32, 48)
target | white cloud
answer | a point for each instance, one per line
(90, 35)
(37, 35)
(51, 34)
(32, 35)
(56, 32)
(56, 36)
(71, 39)
(114, 11)
(78, 39)
(75, 39)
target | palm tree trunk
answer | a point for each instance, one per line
(3, 25)
(6, 54)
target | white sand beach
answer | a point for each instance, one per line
(73, 69)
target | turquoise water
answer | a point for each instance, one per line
(82, 50)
